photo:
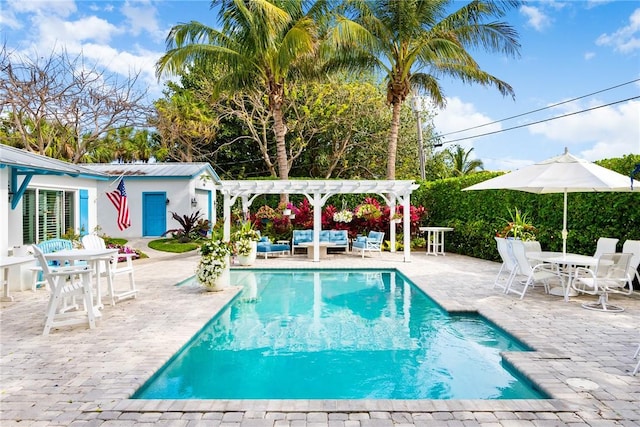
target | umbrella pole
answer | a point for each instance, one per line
(564, 225)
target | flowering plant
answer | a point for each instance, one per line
(368, 211)
(343, 216)
(122, 249)
(266, 212)
(214, 260)
(243, 247)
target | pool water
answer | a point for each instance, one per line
(339, 334)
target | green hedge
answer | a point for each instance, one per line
(477, 216)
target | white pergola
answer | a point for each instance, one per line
(317, 192)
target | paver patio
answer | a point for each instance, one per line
(76, 376)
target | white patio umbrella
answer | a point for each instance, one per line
(561, 174)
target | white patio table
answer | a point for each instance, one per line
(93, 257)
(435, 239)
(568, 262)
(6, 262)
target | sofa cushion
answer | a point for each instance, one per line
(302, 236)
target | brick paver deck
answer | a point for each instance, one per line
(81, 377)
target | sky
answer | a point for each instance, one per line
(586, 49)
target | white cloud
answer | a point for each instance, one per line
(608, 131)
(459, 115)
(42, 7)
(589, 55)
(625, 39)
(140, 18)
(536, 18)
(54, 31)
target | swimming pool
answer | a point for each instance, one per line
(339, 334)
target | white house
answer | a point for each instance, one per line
(42, 198)
(154, 191)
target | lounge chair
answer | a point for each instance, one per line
(370, 243)
(266, 247)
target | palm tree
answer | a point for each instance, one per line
(262, 46)
(413, 42)
(460, 162)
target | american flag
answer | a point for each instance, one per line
(119, 199)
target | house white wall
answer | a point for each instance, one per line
(179, 192)
(13, 235)
(4, 211)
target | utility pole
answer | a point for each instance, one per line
(418, 105)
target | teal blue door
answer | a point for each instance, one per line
(154, 213)
(84, 212)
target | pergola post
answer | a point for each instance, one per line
(226, 209)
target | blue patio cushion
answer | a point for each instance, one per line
(325, 236)
(302, 236)
(376, 235)
(339, 237)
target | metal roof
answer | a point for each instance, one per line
(174, 170)
(28, 162)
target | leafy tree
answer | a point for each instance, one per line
(413, 42)
(460, 163)
(62, 107)
(261, 47)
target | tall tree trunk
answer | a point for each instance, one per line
(281, 148)
(393, 140)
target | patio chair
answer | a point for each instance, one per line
(92, 241)
(609, 276)
(67, 282)
(632, 247)
(371, 243)
(508, 267)
(541, 272)
(47, 246)
(605, 245)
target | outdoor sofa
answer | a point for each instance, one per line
(336, 239)
(265, 247)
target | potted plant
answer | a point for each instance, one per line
(213, 269)
(265, 214)
(518, 227)
(246, 243)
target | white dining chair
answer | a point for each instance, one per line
(605, 245)
(632, 247)
(609, 276)
(508, 267)
(67, 282)
(541, 272)
(92, 241)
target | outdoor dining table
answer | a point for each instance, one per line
(6, 262)
(566, 263)
(93, 257)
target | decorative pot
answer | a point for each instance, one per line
(221, 282)
(251, 258)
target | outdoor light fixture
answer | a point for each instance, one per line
(194, 202)
(419, 105)
(167, 202)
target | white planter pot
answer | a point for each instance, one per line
(251, 258)
(221, 282)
